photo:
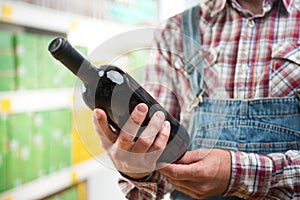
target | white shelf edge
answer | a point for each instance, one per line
(35, 100)
(55, 182)
(21, 13)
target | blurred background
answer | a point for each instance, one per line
(48, 147)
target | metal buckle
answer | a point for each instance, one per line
(197, 101)
(189, 71)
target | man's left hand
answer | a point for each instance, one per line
(200, 173)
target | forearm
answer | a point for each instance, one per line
(257, 176)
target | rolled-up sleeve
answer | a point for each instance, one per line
(273, 176)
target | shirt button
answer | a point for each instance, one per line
(251, 23)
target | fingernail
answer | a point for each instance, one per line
(141, 108)
(166, 125)
(160, 115)
(97, 114)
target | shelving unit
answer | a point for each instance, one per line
(18, 17)
(55, 182)
(86, 171)
(33, 100)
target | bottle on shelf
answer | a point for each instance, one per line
(110, 88)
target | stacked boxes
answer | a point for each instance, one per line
(41, 144)
(60, 143)
(26, 64)
(54, 129)
(46, 66)
(7, 65)
(3, 152)
(19, 160)
(26, 61)
(37, 143)
(71, 193)
(52, 74)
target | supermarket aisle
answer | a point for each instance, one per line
(39, 140)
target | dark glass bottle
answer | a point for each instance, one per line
(117, 93)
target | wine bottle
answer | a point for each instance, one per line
(110, 88)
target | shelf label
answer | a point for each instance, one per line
(74, 178)
(74, 25)
(5, 105)
(7, 198)
(7, 12)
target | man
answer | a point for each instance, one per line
(245, 125)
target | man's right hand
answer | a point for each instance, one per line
(136, 159)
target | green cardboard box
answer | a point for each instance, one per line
(70, 193)
(26, 61)
(7, 65)
(40, 143)
(54, 126)
(137, 60)
(19, 129)
(61, 133)
(3, 152)
(47, 69)
(52, 73)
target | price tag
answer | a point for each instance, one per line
(7, 12)
(7, 198)
(5, 105)
(74, 25)
(74, 178)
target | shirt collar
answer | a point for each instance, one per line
(220, 5)
(288, 4)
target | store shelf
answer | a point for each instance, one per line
(115, 39)
(81, 30)
(55, 182)
(37, 17)
(35, 100)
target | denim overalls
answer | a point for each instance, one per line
(260, 126)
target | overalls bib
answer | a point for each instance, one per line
(262, 126)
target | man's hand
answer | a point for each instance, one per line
(200, 173)
(138, 158)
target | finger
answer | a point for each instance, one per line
(146, 139)
(162, 138)
(102, 127)
(181, 172)
(191, 157)
(131, 127)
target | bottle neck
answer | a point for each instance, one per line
(87, 73)
(63, 51)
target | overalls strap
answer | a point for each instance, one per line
(192, 49)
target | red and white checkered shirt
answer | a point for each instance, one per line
(250, 56)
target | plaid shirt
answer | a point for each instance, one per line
(265, 52)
